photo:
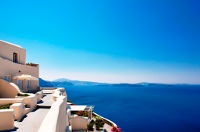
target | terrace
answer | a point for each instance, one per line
(53, 113)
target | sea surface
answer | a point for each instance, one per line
(143, 108)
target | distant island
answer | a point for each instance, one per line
(63, 82)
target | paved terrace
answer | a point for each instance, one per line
(47, 100)
(33, 120)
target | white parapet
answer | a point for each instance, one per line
(7, 119)
(55, 120)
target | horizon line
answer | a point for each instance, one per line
(126, 82)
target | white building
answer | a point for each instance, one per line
(13, 65)
(47, 110)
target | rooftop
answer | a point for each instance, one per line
(11, 43)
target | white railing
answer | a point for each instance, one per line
(109, 122)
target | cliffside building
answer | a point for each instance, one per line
(13, 67)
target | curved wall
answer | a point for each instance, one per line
(8, 90)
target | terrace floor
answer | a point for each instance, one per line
(46, 101)
(32, 121)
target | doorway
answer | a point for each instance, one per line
(15, 57)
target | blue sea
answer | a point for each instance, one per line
(143, 108)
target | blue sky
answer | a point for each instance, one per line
(108, 40)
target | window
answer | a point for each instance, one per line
(19, 84)
(8, 78)
(15, 57)
(28, 85)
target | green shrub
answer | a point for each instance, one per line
(82, 113)
(6, 106)
(90, 127)
(99, 123)
(25, 95)
(92, 122)
(32, 64)
(97, 117)
(69, 101)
